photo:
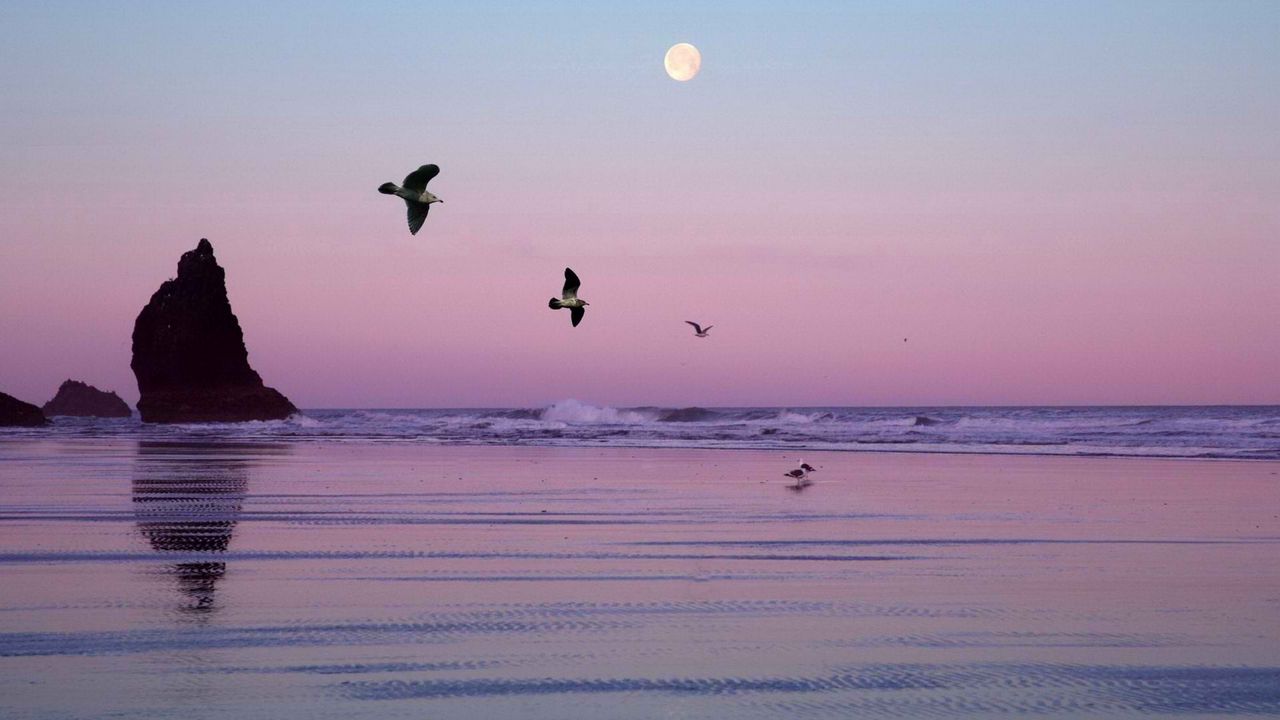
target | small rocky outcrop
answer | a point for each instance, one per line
(189, 355)
(81, 400)
(15, 413)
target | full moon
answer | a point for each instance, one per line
(682, 61)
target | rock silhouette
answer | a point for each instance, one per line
(15, 413)
(189, 355)
(81, 400)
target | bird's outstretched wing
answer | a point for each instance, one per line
(575, 315)
(418, 179)
(696, 327)
(708, 328)
(417, 215)
(571, 285)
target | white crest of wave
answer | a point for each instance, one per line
(575, 412)
(789, 416)
(305, 421)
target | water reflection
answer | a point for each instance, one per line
(187, 499)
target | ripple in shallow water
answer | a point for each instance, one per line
(928, 689)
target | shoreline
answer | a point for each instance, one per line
(34, 435)
(1167, 432)
(339, 579)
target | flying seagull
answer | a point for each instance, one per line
(697, 329)
(569, 298)
(415, 194)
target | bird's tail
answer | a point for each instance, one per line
(387, 188)
(555, 304)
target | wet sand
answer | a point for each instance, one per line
(341, 580)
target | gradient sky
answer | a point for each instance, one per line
(1057, 203)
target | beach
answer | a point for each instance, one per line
(210, 578)
(620, 361)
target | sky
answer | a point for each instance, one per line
(874, 203)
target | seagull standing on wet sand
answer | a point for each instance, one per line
(801, 477)
(697, 329)
(801, 473)
(414, 192)
(569, 298)
(800, 485)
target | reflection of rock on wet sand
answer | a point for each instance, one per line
(187, 498)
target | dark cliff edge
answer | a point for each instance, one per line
(15, 413)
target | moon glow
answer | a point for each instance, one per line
(682, 62)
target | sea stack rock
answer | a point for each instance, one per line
(15, 413)
(81, 400)
(189, 355)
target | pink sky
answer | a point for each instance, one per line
(1112, 306)
(1043, 227)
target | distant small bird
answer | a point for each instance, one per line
(697, 329)
(415, 194)
(569, 298)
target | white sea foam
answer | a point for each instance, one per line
(574, 412)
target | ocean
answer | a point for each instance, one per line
(1235, 432)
